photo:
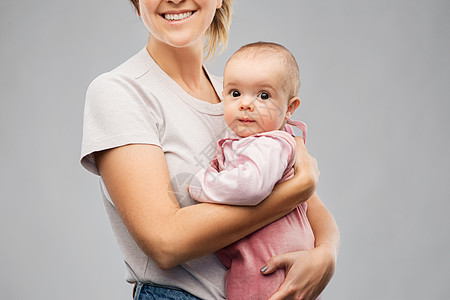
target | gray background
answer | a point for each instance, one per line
(375, 94)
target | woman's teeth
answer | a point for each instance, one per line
(176, 17)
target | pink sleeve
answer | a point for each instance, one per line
(256, 167)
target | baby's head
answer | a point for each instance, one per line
(260, 86)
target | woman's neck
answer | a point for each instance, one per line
(184, 65)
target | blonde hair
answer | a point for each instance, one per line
(217, 32)
(264, 50)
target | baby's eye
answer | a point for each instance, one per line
(235, 93)
(263, 96)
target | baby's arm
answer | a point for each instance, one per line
(257, 166)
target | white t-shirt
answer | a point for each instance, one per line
(139, 103)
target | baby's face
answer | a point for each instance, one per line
(253, 96)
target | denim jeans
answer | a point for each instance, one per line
(151, 291)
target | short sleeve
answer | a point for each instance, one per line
(115, 114)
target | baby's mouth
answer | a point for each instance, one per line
(245, 120)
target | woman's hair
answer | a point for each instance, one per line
(217, 32)
(136, 4)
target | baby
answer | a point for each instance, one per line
(261, 82)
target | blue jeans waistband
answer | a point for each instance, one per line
(152, 291)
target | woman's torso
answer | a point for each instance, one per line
(139, 103)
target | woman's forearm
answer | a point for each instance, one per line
(213, 226)
(138, 182)
(323, 224)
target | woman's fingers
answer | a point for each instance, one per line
(284, 261)
(305, 164)
(274, 263)
(307, 273)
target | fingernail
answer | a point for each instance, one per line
(263, 269)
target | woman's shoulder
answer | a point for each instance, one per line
(130, 70)
(135, 66)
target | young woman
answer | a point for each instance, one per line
(153, 122)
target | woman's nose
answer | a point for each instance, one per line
(176, 1)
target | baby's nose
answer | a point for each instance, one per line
(246, 105)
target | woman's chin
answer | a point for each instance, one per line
(180, 40)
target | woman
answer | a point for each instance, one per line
(149, 125)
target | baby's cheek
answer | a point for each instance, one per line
(228, 113)
(273, 120)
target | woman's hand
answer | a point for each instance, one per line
(307, 272)
(305, 168)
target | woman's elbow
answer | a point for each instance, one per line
(162, 251)
(166, 262)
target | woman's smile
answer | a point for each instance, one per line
(178, 16)
(178, 24)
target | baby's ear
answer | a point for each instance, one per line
(292, 106)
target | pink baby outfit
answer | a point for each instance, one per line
(244, 172)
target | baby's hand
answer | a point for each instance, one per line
(305, 165)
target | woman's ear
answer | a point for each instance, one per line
(292, 106)
(219, 4)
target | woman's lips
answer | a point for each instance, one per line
(177, 16)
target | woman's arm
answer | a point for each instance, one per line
(324, 226)
(138, 182)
